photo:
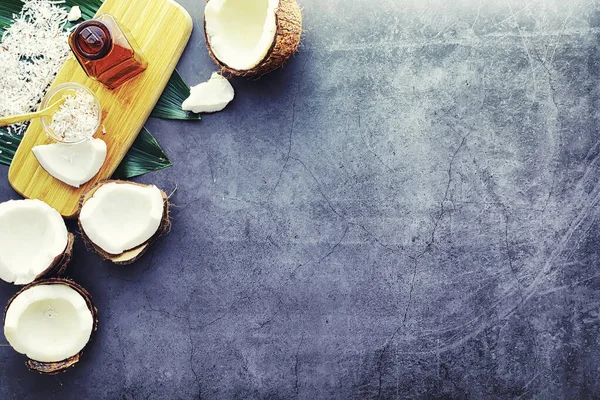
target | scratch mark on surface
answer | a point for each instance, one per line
(335, 246)
(375, 238)
(192, 346)
(514, 14)
(192, 352)
(210, 165)
(368, 147)
(477, 16)
(389, 342)
(296, 365)
(526, 386)
(560, 35)
(293, 124)
(527, 52)
(337, 213)
(560, 129)
(446, 192)
(465, 41)
(270, 318)
(573, 228)
(328, 254)
(319, 187)
(570, 286)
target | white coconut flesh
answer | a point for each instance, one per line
(32, 236)
(73, 164)
(210, 96)
(121, 216)
(241, 32)
(74, 14)
(48, 323)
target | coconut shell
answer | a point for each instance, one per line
(288, 18)
(52, 368)
(132, 255)
(61, 262)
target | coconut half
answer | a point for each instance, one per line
(121, 219)
(252, 37)
(73, 164)
(50, 321)
(34, 241)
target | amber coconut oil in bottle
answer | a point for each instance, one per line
(107, 51)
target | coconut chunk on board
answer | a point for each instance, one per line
(73, 164)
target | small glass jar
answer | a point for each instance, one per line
(59, 92)
(107, 51)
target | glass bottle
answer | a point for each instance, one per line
(107, 52)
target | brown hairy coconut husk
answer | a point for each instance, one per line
(52, 368)
(134, 254)
(288, 20)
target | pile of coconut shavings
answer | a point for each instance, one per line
(32, 51)
(77, 118)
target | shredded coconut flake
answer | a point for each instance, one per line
(32, 51)
(77, 118)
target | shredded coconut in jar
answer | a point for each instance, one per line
(77, 118)
(32, 51)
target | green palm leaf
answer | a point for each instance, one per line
(169, 104)
(7, 9)
(144, 156)
(8, 146)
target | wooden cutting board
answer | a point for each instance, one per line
(162, 28)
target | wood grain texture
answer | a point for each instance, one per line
(162, 28)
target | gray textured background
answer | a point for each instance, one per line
(409, 209)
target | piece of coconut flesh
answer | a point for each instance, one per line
(210, 96)
(48, 322)
(121, 216)
(32, 236)
(73, 164)
(241, 32)
(74, 14)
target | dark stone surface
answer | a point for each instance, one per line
(409, 209)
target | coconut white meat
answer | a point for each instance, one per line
(48, 322)
(32, 236)
(210, 96)
(73, 164)
(122, 216)
(74, 14)
(241, 32)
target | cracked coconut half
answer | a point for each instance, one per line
(252, 37)
(50, 321)
(120, 220)
(34, 241)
